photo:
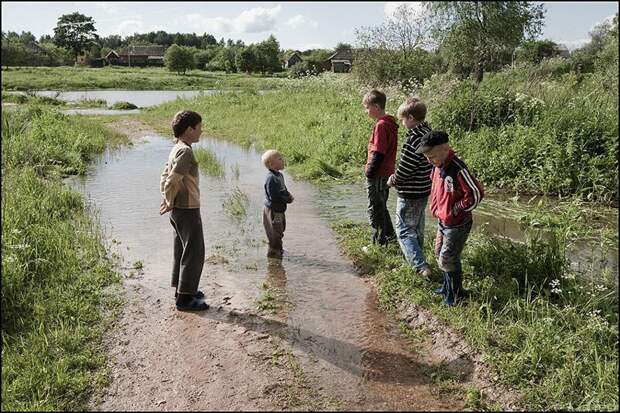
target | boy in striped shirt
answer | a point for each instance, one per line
(412, 181)
(454, 195)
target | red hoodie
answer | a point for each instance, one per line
(455, 191)
(384, 139)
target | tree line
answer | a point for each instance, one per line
(466, 38)
(75, 35)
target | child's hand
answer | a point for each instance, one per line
(390, 181)
(164, 207)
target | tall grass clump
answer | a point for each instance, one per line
(236, 204)
(208, 162)
(54, 264)
(549, 332)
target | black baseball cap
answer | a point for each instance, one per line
(430, 140)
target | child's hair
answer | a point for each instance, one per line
(375, 97)
(266, 158)
(183, 120)
(414, 107)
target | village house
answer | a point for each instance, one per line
(292, 60)
(137, 56)
(340, 62)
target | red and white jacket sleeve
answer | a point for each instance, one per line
(473, 192)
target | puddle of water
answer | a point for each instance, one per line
(328, 313)
(325, 311)
(140, 98)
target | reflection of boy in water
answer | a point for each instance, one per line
(276, 282)
(181, 195)
(276, 198)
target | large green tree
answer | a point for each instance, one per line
(179, 59)
(482, 35)
(75, 31)
(267, 53)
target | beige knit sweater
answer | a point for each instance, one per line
(179, 179)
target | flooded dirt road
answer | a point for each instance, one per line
(303, 333)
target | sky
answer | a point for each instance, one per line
(296, 25)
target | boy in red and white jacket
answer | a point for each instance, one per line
(455, 193)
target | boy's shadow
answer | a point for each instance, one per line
(368, 364)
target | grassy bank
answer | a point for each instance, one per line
(318, 124)
(55, 267)
(125, 78)
(549, 333)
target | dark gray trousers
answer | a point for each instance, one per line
(275, 224)
(378, 214)
(189, 249)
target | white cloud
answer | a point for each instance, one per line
(573, 44)
(390, 7)
(256, 20)
(304, 46)
(129, 27)
(299, 21)
(108, 7)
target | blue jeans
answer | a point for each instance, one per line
(410, 226)
(449, 244)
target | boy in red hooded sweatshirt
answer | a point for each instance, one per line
(455, 193)
(382, 147)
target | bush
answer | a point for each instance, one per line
(532, 129)
(305, 68)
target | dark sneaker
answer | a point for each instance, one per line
(194, 304)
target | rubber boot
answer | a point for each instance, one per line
(449, 293)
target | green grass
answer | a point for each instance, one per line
(123, 106)
(550, 333)
(125, 78)
(31, 99)
(317, 124)
(55, 268)
(236, 204)
(208, 162)
(91, 103)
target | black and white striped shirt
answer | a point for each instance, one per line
(413, 175)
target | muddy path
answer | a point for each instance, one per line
(304, 333)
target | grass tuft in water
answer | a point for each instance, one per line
(208, 162)
(236, 205)
(123, 106)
